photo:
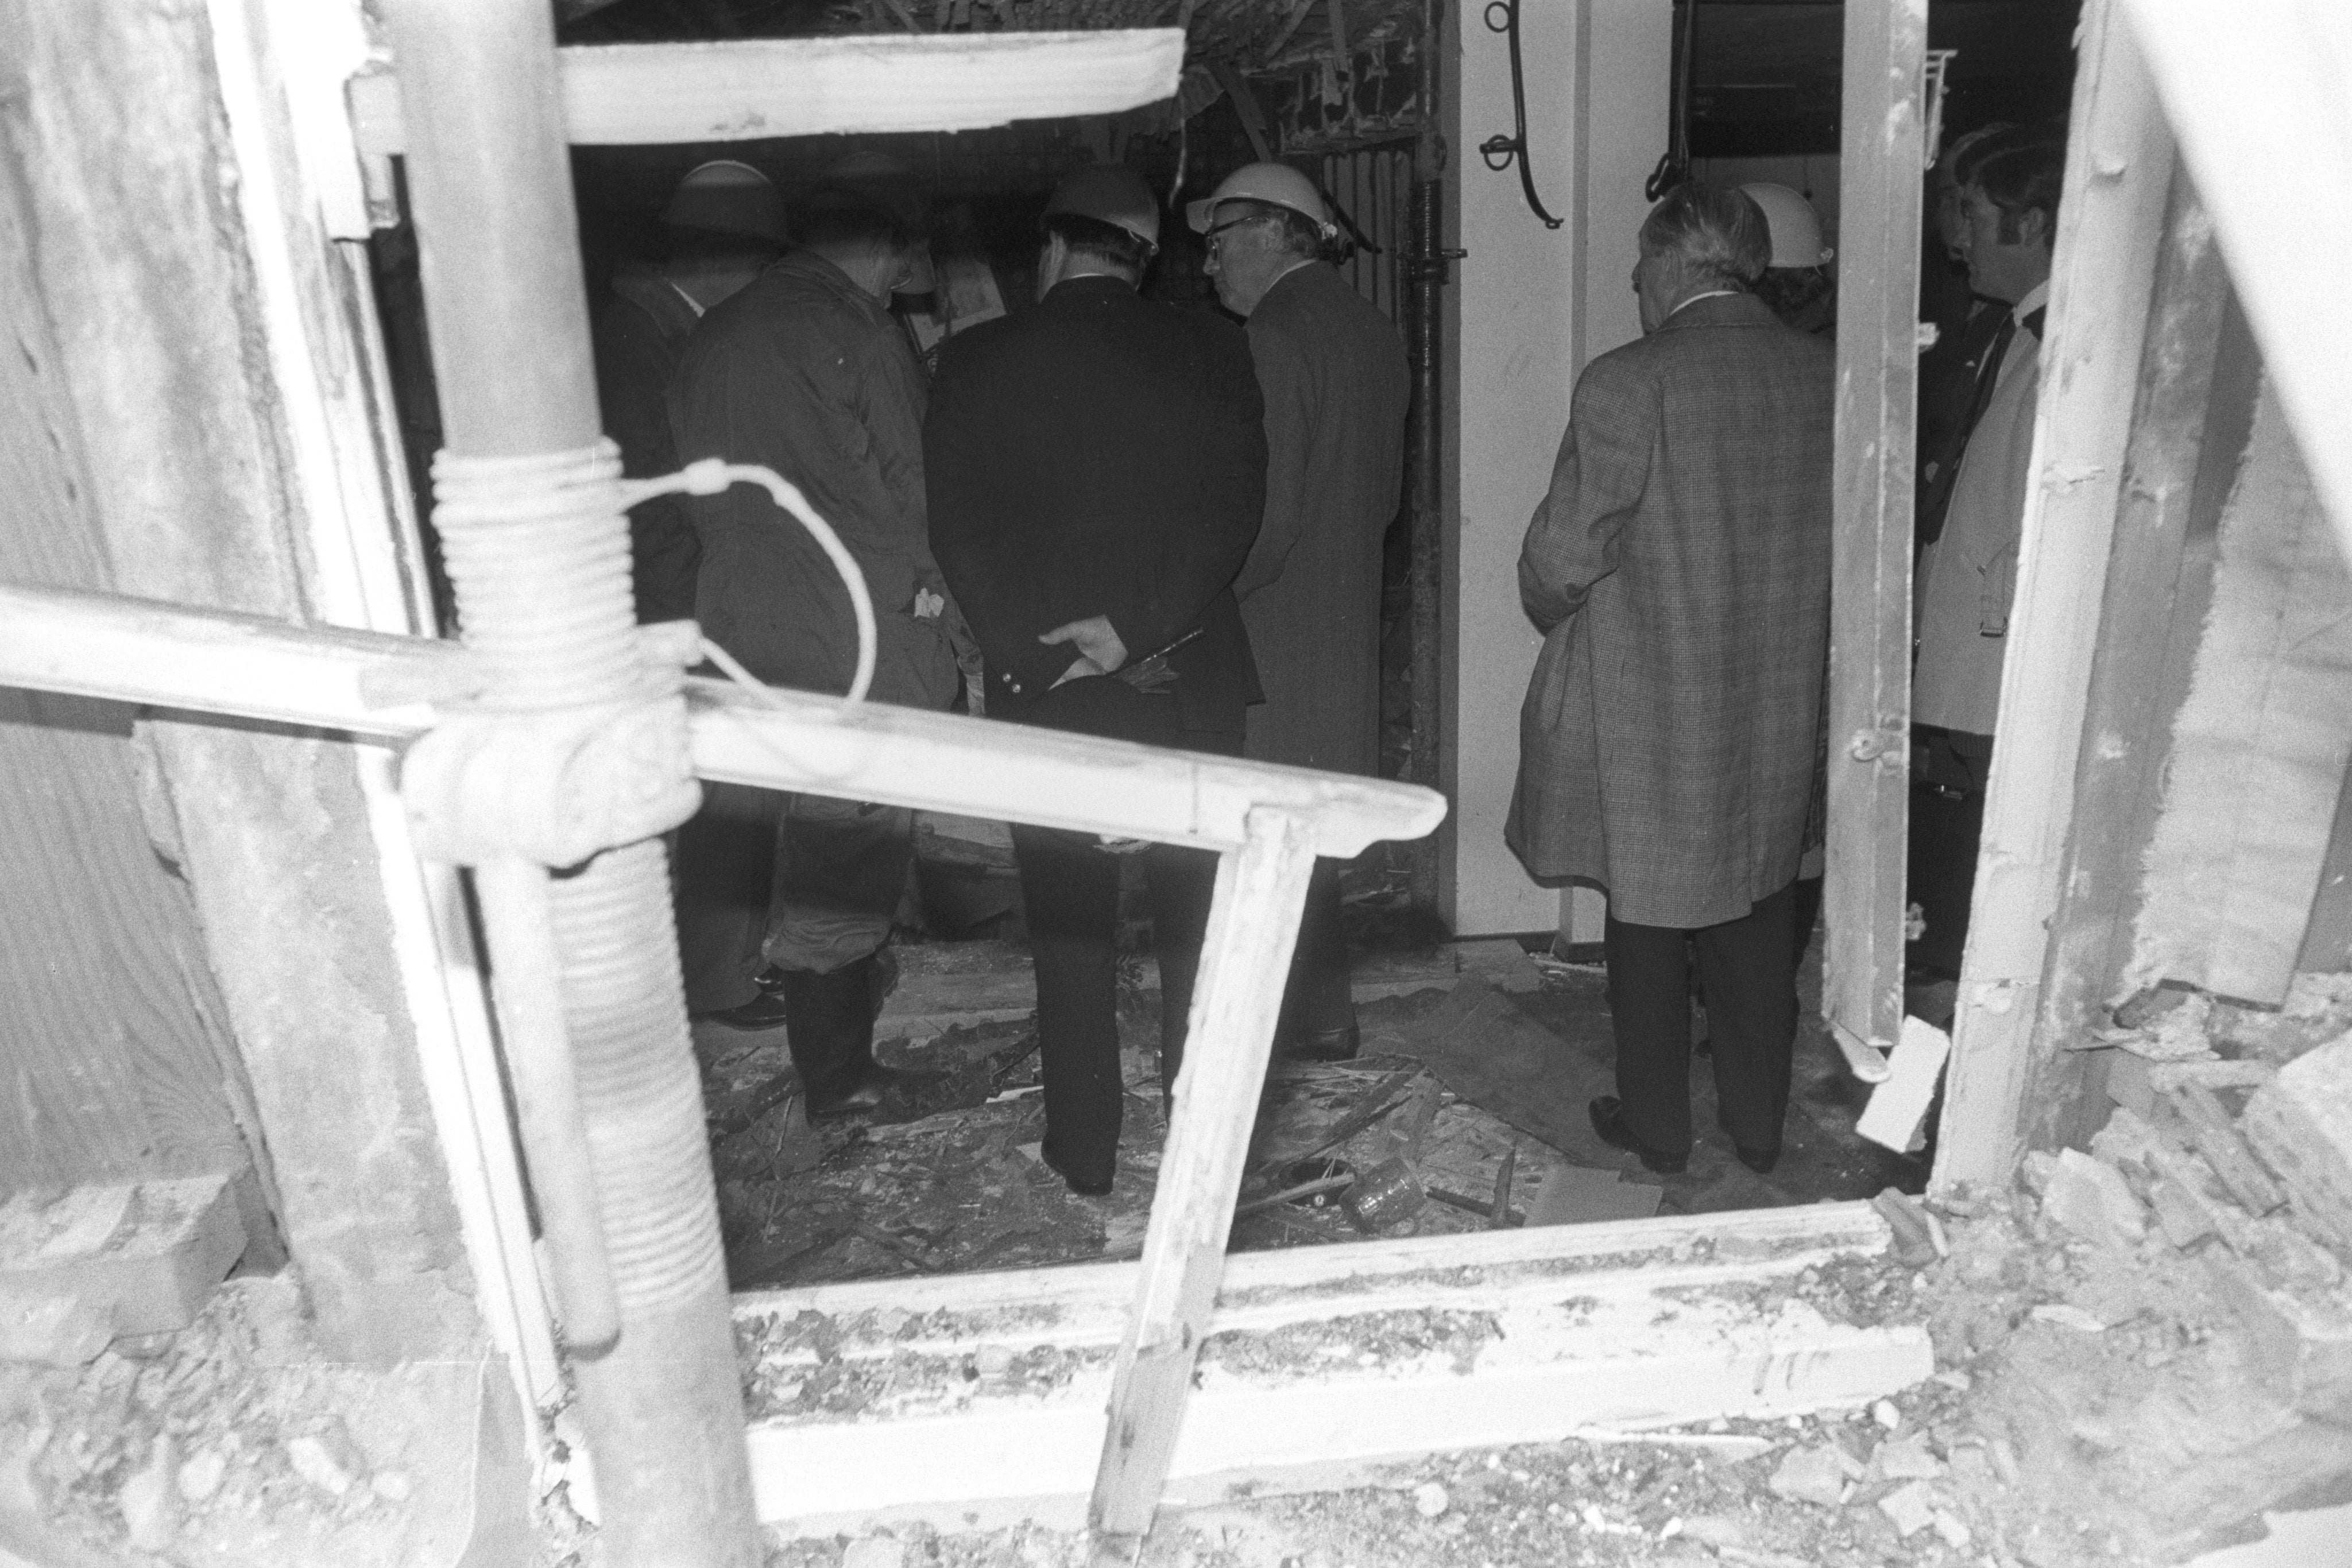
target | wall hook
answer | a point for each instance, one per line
(1498, 150)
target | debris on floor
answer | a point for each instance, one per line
(230, 1442)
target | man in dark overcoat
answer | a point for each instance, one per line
(1097, 469)
(1332, 370)
(806, 371)
(1679, 568)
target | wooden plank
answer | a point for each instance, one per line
(2255, 95)
(156, 307)
(1870, 573)
(1087, 1303)
(2153, 598)
(2111, 216)
(1665, 1328)
(113, 1062)
(745, 90)
(2261, 746)
(298, 184)
(210, 662)
(1244, 963)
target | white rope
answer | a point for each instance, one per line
(713, 476)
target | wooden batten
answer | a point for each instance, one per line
(2119, 165)
(372, 685)
(1870, 612)
(634, 94)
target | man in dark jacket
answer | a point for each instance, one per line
(1679, 568)
(1097, 469)
(806, 371)
(725, 223)
(1333, 373)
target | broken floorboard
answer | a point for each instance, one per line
(942, 1398)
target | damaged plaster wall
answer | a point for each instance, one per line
(2261, 746)
(115, 135)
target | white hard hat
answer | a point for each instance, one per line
(1111, 193)
(728, 196)
(1790, 218)
(1276, 184)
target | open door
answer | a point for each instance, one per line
(1884, 150)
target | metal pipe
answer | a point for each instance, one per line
(1424, 454)
(545, 602)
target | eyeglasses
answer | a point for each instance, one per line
(1215, 232)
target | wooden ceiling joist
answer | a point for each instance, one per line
(637, 94)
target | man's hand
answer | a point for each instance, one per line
(1095, 638)
(1079, 670)
(928, 605)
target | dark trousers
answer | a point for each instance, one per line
(1746, 968)
(1949, 772)
(1318, 998)
(1069, 889)
(724, 858)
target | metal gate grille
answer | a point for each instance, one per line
(1375, 189)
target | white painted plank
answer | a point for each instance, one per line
(1076, 1302)
(1870, 604)
(637, 94)
(210, 662)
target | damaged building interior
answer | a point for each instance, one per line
(417, 1151)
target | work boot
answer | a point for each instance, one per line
(829, 1025)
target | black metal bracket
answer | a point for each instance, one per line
(1498, 150)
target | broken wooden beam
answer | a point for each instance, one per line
(1245, 964)
(989, 1389)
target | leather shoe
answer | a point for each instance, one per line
(1609, 1124)
(764, 1012)
(1323, 1045)
(1084, 1189)
(1760, 1161)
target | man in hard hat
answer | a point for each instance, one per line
(806, 371)
(725, 221)
(1332, 372)
(1679, 570)
(1097, 469)
(1797, 285)
(2008, 217)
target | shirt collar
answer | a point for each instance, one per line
(1710, 294)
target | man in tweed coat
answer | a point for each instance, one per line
(1679, 568)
